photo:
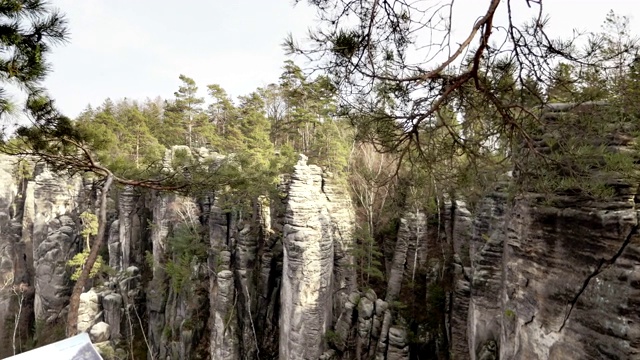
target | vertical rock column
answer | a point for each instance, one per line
(245, 257)
(224, 338)
(224, 343)
(486, 273)
(307, 267)
(459, 225)
(126, 210)
(157, 288)
(408, 234)
(7, 240)
(340, 207)
(271, 214)
(54, 234)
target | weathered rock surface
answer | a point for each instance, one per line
(554, 276)
(342, 227)
(113, 313)
(530, 279)
(459, 224)
(241, 279)
(224, 338)
(55, 240)
(486, 248)
(306, 299)
(126, 211)
(549, 281)
(88, 310)
(158, 286)
(100, 332)
(8, 194)
(267, 290)
(569, 275)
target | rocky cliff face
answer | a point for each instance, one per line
(570, 292)
(529, 277)
(39, 233)
(550, 276)
(9, 267)
(549, 281)
(307, 267)
(190, 280)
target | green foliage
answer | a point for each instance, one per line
(148, 259)
(23, 169)
(187, 325)
(332, 145)
(45, 334)
(187, 249)
(436, 296)
(302, 112)
(130, 139)
(331, 337)
(590, 162)
(78, 262)
(89, 229)
(563, 85)
(461, 128)
(367, 257)
(586, 150)
(121, 136)
(398, 306)
(166, 332)
(185, 122)
(89, 224)
(29, 30)
(107, 352)
(510, 314)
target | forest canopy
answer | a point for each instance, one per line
(452, 120)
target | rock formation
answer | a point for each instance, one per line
(8, 233)
(534, 276)
(310, 235)
(552, 276)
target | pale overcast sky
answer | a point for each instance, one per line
(137, 48)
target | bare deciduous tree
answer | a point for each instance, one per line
(404, 77)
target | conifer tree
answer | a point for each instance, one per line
(221, 110)
(29, 29)
(183, 115)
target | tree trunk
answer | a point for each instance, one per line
(190, 128)
(138, 148)
(74, 302)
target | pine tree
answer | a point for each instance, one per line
(275, 108)
(563, 84)
(182, 114)
(303, 114)
(29, 30)
(189, 103)
(221, 110)
(144, 148)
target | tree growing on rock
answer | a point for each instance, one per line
(89, 229)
